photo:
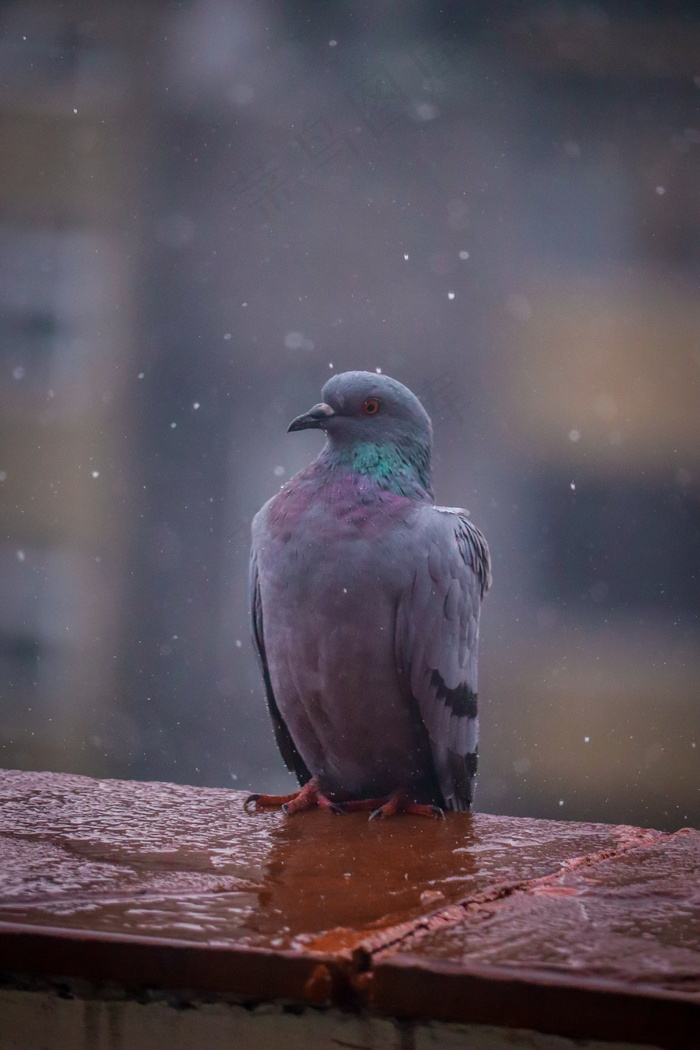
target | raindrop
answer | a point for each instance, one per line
(278, 471)
(426, 111)
(18, 372)
(95, 473)
(587, 739)
(141, 375)
(660, 190)
(332, 43)
(239, 643)
(21, 556)
(3, 475)
(195, 405)
(450, 295)
(378, 371)
(574, 435)
(297, 341)
(405, 255)
(572, 486)
(561, 801)
(464, 255)
(227, 336)
(173, 425)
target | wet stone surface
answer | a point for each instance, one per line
(166, 886)
(634, 918)
(192, 863)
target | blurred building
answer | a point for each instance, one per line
(207, 208)
(70, 272)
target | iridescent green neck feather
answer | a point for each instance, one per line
(400, 467)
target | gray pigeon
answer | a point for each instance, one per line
(365, 605)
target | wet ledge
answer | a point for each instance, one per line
(131, 908)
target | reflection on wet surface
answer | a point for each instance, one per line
(192, 864)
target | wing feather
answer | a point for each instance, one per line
(292, 759)
(437, 645)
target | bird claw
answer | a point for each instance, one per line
(309, 797)
(397, 803)
(261, 800)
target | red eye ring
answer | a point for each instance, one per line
(371, 406)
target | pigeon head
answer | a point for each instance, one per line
(375, 426)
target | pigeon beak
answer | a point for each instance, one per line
(314, 419)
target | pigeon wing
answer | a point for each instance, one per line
(292, 759)
(437, 641)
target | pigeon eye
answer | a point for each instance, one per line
(371, 406)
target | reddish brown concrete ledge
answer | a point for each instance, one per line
(586, 931)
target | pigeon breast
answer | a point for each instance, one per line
(332, 560)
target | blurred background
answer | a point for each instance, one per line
(206, 209)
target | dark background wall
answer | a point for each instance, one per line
(206, 209)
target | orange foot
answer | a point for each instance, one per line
(308, 798)
(397, 802)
